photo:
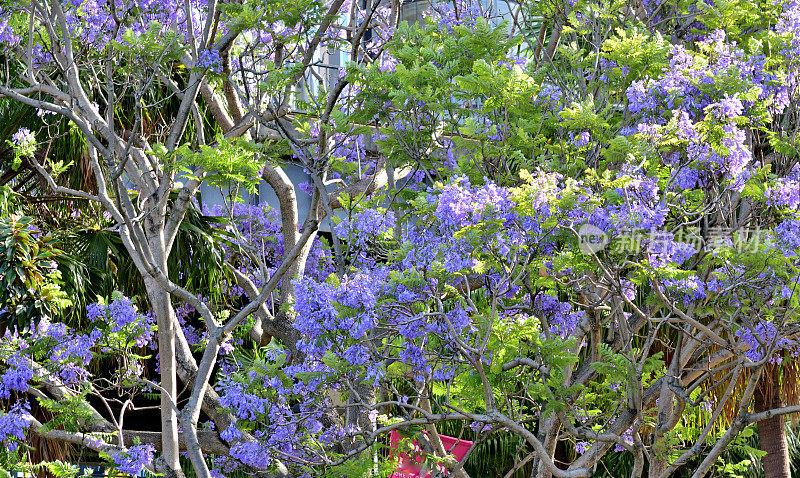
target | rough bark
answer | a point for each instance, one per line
(659, 458)
(772, 431)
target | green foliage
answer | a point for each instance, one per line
(229, 164)
(582, 116)
(98, 263)
(25, 147)
(57, 469)
(454, 93)
(639, 51)
(447, 83)
(155, 45)
(70, 412)
(29, 281)
(367, 465)
(9, 201)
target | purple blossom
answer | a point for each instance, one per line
(388, 63)
(367, 223)
(16, 377)
(231, 433)
(638, 98)
(582, 447)
(7, 34)
(480, 427)
(252, 454)
(685, 125)
(406, 296)
(728, 107)
(246, 405)
(787, 235)
(687, 290)
(412, 355)
(550, 96)
(459, 204)
(210, 59)
(767, 333)
(357, 355)
(134, 460)
(628, 289)
(13, 424)
(786, 191)
(628, 438)
(559, 315)
(23, 138)
(582, 140)
(663, 249)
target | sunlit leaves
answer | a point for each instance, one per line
(230, 163)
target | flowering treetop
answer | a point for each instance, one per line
(579, 231)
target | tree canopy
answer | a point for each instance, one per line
(572, 227)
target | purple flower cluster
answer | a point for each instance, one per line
(260, 229)
(7, 34)
(317, 312)
(694, 94)
(210, 59)
(121, 315)
(134, 460)
(687, 290)
(68, 355)
(461, 13)
(13, 424)
(74, 352)
(663, 249)
(247, 405)
(16, 377)
(788, 27)
(582, 140)
(786, 190)
(288, 407)
(766, 333)
(728, 107)
(366, 224)
(582, 447)
(550, 97)
(92, 22)
(560, 316)
(252, 454)
(787, 235)
(22, 137)
(193, 335)
(638, 207)
(69, 352)
(460, 207)
(628, 437)
(388, 63)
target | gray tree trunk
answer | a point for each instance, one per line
(161, 304)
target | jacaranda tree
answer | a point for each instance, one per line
(575, 225)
